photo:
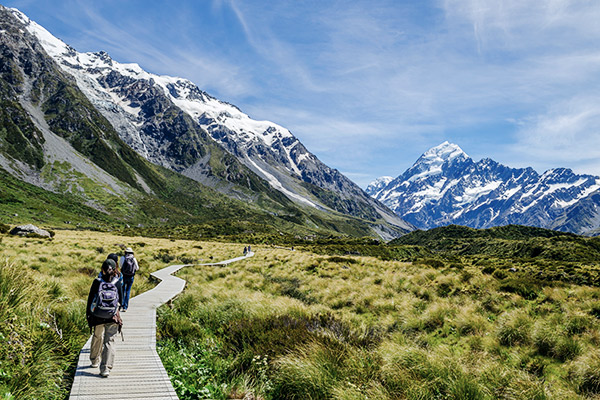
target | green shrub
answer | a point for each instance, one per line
(488, 270)
(195, 368)
(524, 287)
(595, 310)
(165, 256)
(342, 260)
(444, 289)
(499, 274)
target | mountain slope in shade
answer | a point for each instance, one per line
(445, 186)
(155, 115)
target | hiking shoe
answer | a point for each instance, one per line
(105, 373)
(123, 310)
(96, 363)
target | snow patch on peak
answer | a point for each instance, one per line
(382, 180)
(445, 151)
(378, 185)
(51, 44)
(431, 163)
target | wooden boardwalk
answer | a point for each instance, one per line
(138, 372)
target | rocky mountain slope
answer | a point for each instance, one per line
(69, 117)
(165, 119)
(445, 186)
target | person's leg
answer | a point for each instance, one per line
(127, 283)
(108, 348)
(96, 346)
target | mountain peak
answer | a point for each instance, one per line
(432, 161)
(445, 186)
(445, 151)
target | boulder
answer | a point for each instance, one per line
(29, 230)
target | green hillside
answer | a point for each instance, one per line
(511, 241)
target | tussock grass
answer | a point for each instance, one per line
(297, 325)
(331, 328)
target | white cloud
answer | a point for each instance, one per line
(568, 133)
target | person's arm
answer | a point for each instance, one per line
(136, 265)
(119, 285)
(93, 291)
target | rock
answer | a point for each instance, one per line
(29, 230)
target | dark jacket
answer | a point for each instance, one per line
(91, 318)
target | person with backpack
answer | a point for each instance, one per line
(129, 267)
(102, 313)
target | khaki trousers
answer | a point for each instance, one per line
(103, 345)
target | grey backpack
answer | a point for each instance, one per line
(128, 267)
(106, 300)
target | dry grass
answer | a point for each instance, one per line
(402, 330)
(292, 324)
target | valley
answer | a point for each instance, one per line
(325, 320)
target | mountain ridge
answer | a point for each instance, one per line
(445, 186)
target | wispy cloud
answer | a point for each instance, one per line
(568, 133)
(377, 82)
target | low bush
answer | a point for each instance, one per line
(526, 288)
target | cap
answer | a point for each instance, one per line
(129, 250)
(108, 265)
(114, 257)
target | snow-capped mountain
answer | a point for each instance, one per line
(377, 185)
(445, 186)
(168, 120)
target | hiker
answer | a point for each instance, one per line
(245, 250)
(249, 249)
(129, 267)
(102, 314)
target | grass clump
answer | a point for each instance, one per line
(36, 334)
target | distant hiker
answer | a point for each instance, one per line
(249, 249)
(102, 314)
(129, 267)
(245, 250)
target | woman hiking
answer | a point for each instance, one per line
(115, 258)
(102, 313)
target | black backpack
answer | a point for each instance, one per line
(128, 267)
(106, 300)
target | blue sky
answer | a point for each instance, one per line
(368, 86)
